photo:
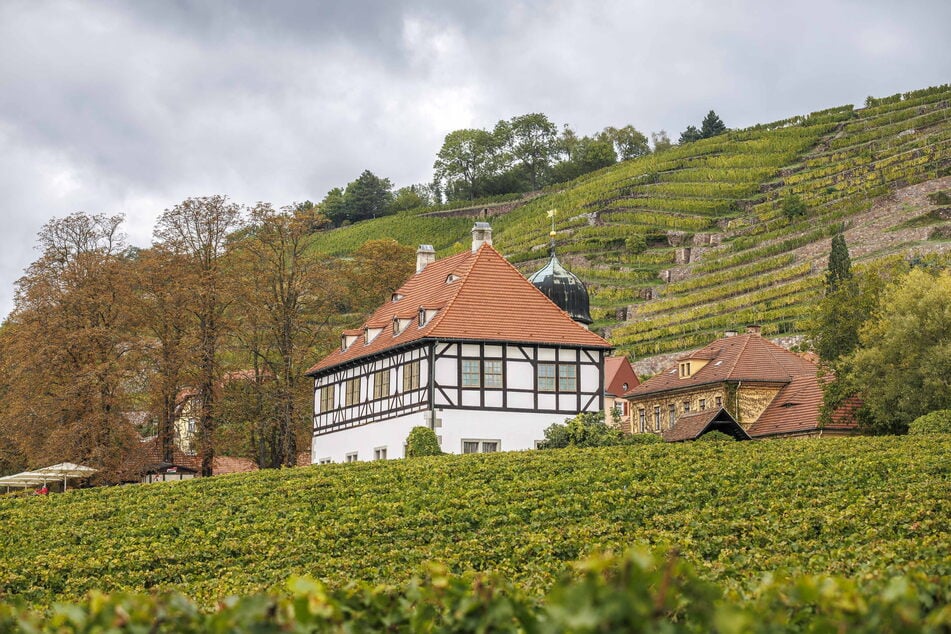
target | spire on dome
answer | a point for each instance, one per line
(562, 286)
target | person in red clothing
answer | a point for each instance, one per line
(43, 490)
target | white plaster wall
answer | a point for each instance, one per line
(515, 430)
(364, 439)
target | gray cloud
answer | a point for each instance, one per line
(131, 107)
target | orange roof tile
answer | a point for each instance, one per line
(478, 296)
(795, 410)
(747, 357)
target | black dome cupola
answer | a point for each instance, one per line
(564, 288)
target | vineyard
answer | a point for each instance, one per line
(864, 508)
(678, 246)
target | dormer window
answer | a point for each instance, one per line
(372, 333)
(399, 325)
(452, 277)
(395, 297)
(422, 317)
(684, 369)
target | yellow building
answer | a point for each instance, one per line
(767, 389)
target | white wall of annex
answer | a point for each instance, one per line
(516, 430)
(390, 433)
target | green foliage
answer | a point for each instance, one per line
(690, 135)
(716, 436)
(793, 207)
(587, 429)
(711, 125)
(422, 441)
(903, 367)
(639, 591)
(936, 422)
(878, 510)
(840, 265)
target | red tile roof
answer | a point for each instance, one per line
(747, 357)
(488, 301)
(220, 465)
(795, 410)
(618, 372)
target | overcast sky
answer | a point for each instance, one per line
(130, 107)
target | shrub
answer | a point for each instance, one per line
(587, 429)
(641, 439)
(793, 207)
(422, 441)
(936, 422)
(717, 436)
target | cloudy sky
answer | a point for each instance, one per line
(109, 106)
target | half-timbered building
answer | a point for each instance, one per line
(468, 347)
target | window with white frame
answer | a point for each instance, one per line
(546, 377)
(381, 384)
(326, 398)
(567, 377)
(471, 373)
(351, 457)
(411, 376)
(719, 401)
(353, 391)
(642, 420)
(657, 418)
(379, 453)
(686, 406)
(703, 404)
(473, 445)
(324, 461)
(492, 373)
(671, 415)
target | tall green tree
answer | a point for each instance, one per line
(711, 125)
(334, 206)
(628, 142)
(466, 158)
(840, 264)
(369, 196)
(198, 229)
(532, 140)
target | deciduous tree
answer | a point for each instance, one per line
(197, 229)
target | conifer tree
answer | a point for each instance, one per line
(712, 125)
(840, 265)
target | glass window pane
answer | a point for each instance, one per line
(470, 373)
(493, 373)
(567, 379)
(546, 377)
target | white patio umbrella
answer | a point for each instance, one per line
(66, 470)
(24, 480)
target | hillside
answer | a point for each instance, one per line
(868, 508)
(680, 245)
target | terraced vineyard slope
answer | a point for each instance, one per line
(681, 245)
(865, 508)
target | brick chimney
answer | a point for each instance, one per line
(753, 329)
(425, 254)
(481, 233)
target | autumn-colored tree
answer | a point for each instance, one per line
(284, 313)
(197, 230)
(377, 269)
(68, 352)
(160, 304)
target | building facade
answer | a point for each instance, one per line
(467, 347)
(765, 388)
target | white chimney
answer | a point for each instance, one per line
(481, 233)
(753, 329)
(425, 254)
